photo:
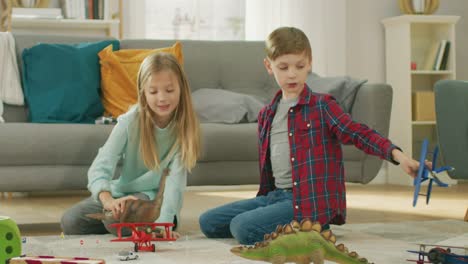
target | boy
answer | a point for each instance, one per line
(300, 136)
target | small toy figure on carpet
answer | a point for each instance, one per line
(299, 243)
(127, 255)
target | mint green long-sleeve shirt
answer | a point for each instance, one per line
(123, 144)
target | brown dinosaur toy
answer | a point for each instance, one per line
(138, 211)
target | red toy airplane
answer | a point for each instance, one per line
(143, 234)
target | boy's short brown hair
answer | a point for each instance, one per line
(287, 40)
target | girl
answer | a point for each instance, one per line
(160, 132)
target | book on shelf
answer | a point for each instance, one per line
(437, 56)
(431, 57)
(445, 56)
(441, 61)
(440, 54)
(86, 9)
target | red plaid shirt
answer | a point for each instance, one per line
(317, 127)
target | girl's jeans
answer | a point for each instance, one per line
(75, 222)
(249, 220)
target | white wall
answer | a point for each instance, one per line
(365, 38)
(133, 16)
(323, 21)
(459, 8)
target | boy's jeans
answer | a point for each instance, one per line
(249, 220)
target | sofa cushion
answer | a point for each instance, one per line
(221, 106)
(51, 144)
(227, 142)
(77, 144)
(62, 82)
(343, 88)
(119, 70)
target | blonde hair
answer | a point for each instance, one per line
(184, 120)
(287, 40)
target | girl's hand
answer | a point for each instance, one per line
(161, 233)
(117, 206)
(407, 164)
(175, 234)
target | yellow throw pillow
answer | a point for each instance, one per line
(119, 70)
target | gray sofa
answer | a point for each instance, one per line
(47, 157)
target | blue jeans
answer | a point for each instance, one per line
(249, 220)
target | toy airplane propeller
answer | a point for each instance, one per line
(426, 173)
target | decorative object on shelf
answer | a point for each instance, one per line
(7, 5)
(30, 3)
(418, 7)
(5, 8)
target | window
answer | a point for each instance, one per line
(195, 19)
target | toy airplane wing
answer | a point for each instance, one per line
(120, 225)
(425, 173)
(144, 232)
(443, 246)
(421, 256)
(418, 261)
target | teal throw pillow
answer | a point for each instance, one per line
(62, 82)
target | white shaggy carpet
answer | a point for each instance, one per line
(378, 242)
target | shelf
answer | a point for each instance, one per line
(413, 39)
(431, 19)
(75, 27)
(431, 72)
(418, 123)
(63, 23)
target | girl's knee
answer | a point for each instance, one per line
(70, 225)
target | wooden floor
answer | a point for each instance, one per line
(40, 213)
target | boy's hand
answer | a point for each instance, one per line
(407, 164)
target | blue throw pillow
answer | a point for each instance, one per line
(62, 82)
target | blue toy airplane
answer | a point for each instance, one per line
(425, 173)
(439, 255)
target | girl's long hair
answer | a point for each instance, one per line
(184, 122)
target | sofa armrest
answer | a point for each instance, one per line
(372, 106)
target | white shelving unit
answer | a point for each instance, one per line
(408, 39)
(83, 27)
(87, 27)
